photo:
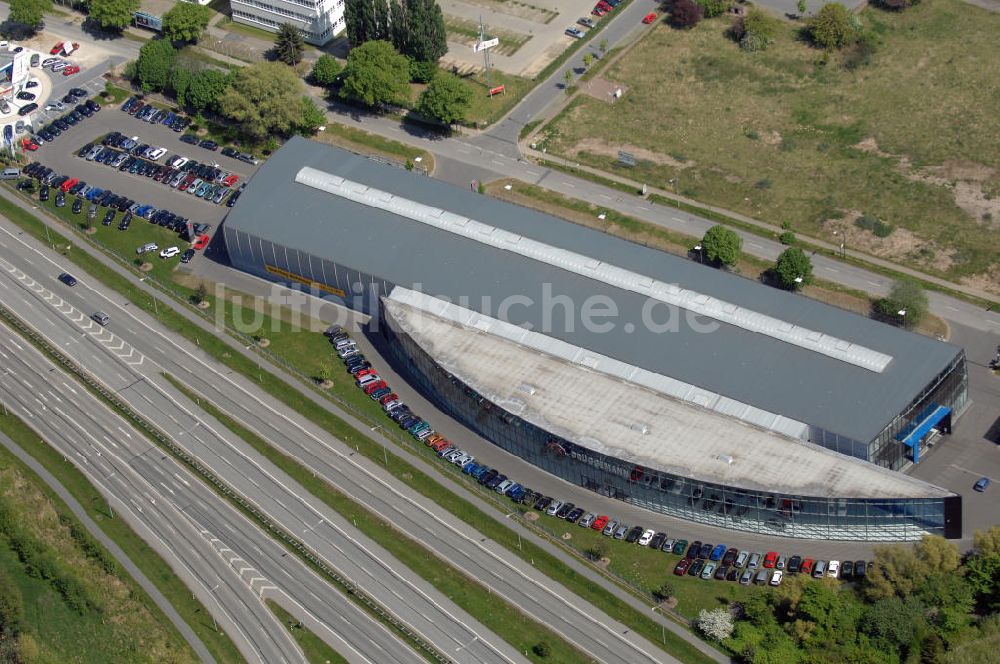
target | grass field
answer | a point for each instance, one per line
(911, 138)
(119, 622)
(315, 649)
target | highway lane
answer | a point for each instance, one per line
(106, 450)
(137, 380)
(248, 560)
(508, 576)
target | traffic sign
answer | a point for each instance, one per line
(483, 45)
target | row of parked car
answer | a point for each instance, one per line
(699, 559)
(136, 107)
(82, 111)
(127, 154)
(67, 186)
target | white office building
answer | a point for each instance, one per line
(319, 20)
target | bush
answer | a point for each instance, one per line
(717, 624)
(787, 238)
(326, 70)
(713, 8)
(422, 72)
(541, 649)
(895, 5)
(875, 225)
(755, 31)
(832, 27)
(685, 13)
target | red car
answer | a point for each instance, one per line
(649, 18)
(807, 566)
(29, 145)
(200, 242)
(598, 12)
(387, 398)
(770, 559)
(68, 184)
(362, 373)
(599, 523)
(56, 49)
(72, 69)
(682, 566)
(605, 6)
(377, 385)
(230, 180)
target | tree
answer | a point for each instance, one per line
(896, 5)
(906, 295)
(265, 99)
(713, 8)
(288, 44)
(716, 624)
(200, 294)
(541, 649)
(801, 6)
(932, 650)
(982, 573)
(722, 245)
(367, 20)
(113, 14)
(446, 99)
(893, 621)
(588, 59)
(831, 27)
(325, 71)
(156, 59)
(937, 554)
(568, 80)
(312, 117)
(206, 87)
(897, 572)
(186, 22)
(418, 30)
(179, 81)
(29, 13)
(665, 591)
(685, 13)
(793, 269)
(755, 31)
(987, 542)
(376, 75)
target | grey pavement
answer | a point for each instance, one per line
(135, 375)
(106, 449)
(421, 519)
(95, 531)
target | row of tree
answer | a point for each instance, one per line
(185, 22)
(264, 99)
(920, 604)
(414, 27)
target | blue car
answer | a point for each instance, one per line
(471, 468)
(94, 193)
(981, 484)
(480, 471)
(718, 552)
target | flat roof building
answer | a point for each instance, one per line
(735, 360)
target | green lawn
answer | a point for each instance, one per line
(910, 138)
(486, 110)
(314, 648)
(128, 627)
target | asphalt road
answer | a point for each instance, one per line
(139, 351)
(51, 307)
(114, 457)
(127, 564)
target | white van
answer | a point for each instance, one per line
(10, 174)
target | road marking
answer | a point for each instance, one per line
(532, 173)
(127, 434)
(873, 283)
(831, 269)
(948, 306)
(69, 387)
(646, 209)
(755, 245)
(181, 480)
(497, 162)
(570, 184)
(605, 196)
(683, 221)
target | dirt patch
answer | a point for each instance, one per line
(987, 281)
(598, 146)
(771, 138)
(602, 89)
(901, 245)
(554, 50)
(974, 199)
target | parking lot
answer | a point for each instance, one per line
(61, 156)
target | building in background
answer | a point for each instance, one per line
(318, 20)
(14, 72)
(699, 394)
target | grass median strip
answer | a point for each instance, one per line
(315, 649)
(145, 558)
(507, 621)
(409, 474)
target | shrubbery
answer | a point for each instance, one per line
(875, 225)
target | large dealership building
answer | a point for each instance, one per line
(637, 374)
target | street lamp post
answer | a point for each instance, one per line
(701, 253)
(902, 312)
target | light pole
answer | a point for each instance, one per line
(701, 253)
(843, 242)
(902, 312)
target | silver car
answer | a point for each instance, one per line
(587, 520)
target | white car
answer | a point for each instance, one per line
(646, 537)
(169, 252)
(177, 162)
(54, 106)
(156, 153)
(59, 66)
(833, 569)
(776, 577)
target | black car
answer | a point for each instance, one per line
(27, 108)
(229, 152)
(496, 481)
(860, 569)
(60, 199)
(542, 503)
(720, 574)
(847, 569)
(187, 255)
(794, 564)
(26, 96)
(209, 145)
(79, 93)
(190, 139)
(488, 476)
(575, 514)
(67, 279)
(93, 105)
(78, 206)
(706, 551)
(109, 216)
(232, 199)
(69, 99)
(693, 550)
(633, 535)
(657, 541)
(733, 574)
(696, 567)
(43, 193)
(83, 110)
(565, 509)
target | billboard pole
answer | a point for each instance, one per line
(486, 51)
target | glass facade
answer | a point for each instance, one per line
(693, 499)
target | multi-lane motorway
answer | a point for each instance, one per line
(133, 351)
